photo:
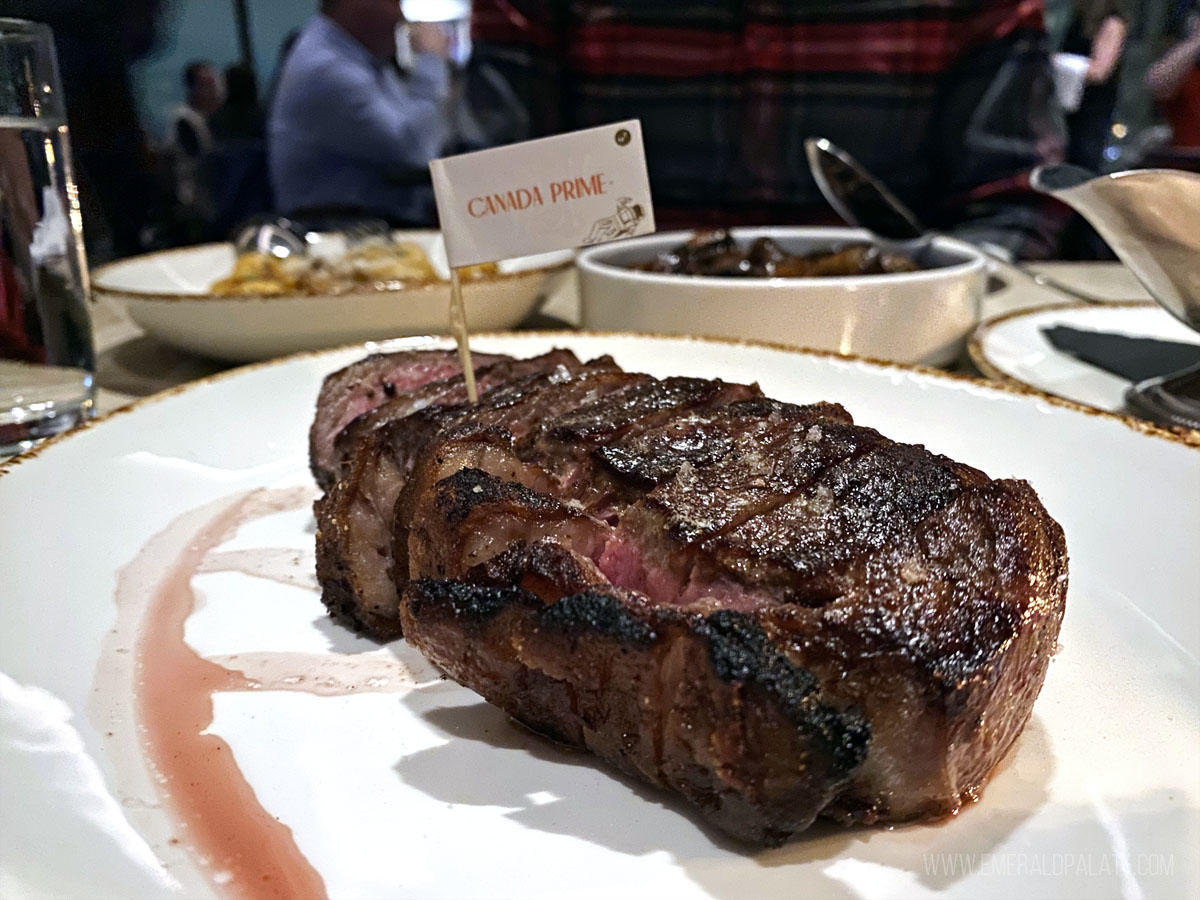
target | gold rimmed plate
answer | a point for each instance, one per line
(1013, 348)
(391, 782)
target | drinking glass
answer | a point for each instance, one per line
(47, 357)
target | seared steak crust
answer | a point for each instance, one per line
(446, 392)
(362, 386)
(760, 605)
(653, 456)
(355, 565)
(674, 699)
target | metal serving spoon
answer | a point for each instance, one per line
(1146, 216)
(282, 237)
(864, 201)
(277, 237)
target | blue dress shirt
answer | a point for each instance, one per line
(347, 128)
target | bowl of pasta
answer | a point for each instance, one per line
(213, 301)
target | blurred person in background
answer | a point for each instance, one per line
(204, 93)
(1174, 79)
(348, 132)
(240, 117)
(1095, 29)
(950, 103)
(96, 41)
(189, 145)
(281, 58)
(236, 169)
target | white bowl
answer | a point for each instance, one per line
(167, 294)
(912, 317)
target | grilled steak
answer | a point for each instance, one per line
(367, 384)
(763, 606)
(354, 518)
(446, 392)
(707, 707)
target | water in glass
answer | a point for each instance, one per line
(47, 358)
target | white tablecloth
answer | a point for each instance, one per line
(132, 365)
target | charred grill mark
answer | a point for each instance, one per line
(646, 471)
(544, 568)
(602, 614)
(622, 413)
(654, 455)
(761, 474)
(474, 604)
(852, 507)
(650, 457)
(740, 651)
(612, 415)
(459, 494)
(961, 548)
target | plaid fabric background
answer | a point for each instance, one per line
(950, 102)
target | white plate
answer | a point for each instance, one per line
(167, 294)
(1012, 347)
(392, 791)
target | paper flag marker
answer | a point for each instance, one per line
(570, 190)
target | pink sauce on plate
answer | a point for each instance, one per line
(249, 850)
(241, 849)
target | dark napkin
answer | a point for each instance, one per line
(1128, 357)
